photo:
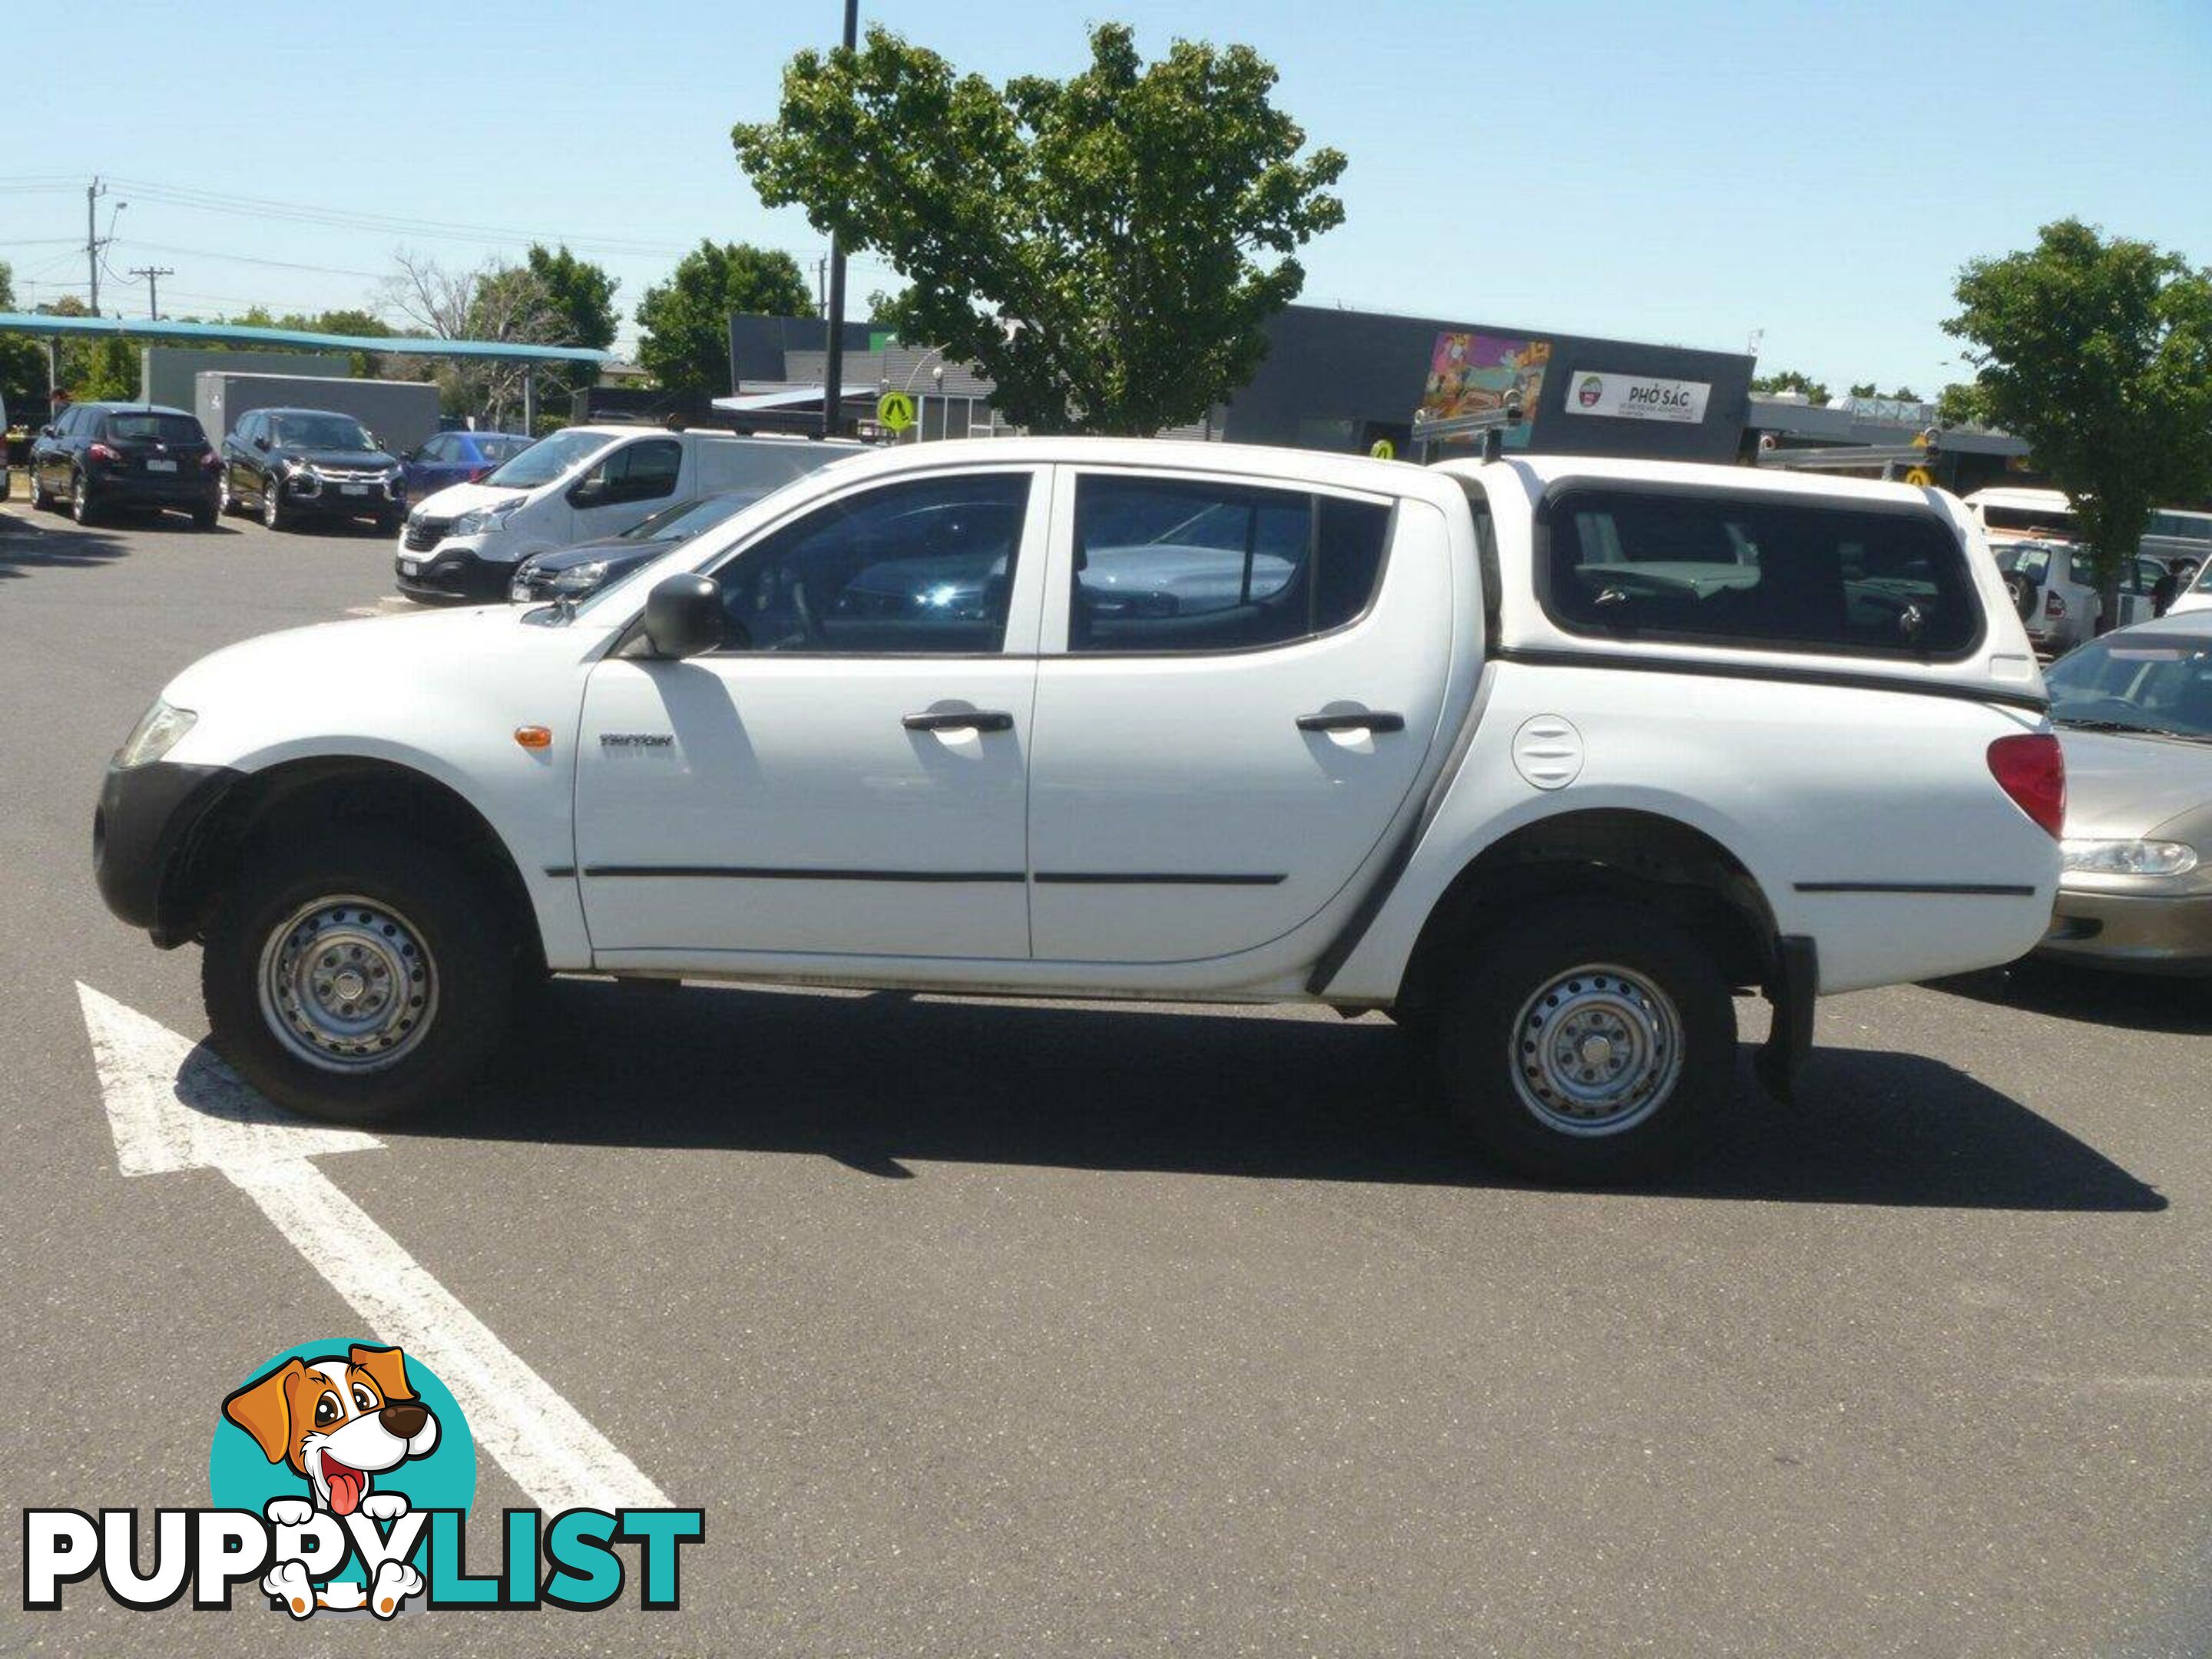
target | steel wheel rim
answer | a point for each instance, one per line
(271, 506)
(1596, 1051)
(80, 498)
(348, 985)
(222, 494)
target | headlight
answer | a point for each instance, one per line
(484, 517)
(2128, 858)
(160, 729)
(580, 578)
(292, 466)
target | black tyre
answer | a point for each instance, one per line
(1582, 1043)
(203, 517)
(41, 501)
(357, 978)
(84, 505)
(387, 524)
(272, 504)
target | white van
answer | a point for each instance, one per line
(578, 485)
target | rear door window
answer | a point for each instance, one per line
(1170, 565)
(1756, 571)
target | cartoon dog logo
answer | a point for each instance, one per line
(338, 1421)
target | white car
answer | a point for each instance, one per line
(581, 484)
(1484, 746)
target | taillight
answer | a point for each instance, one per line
(103, 453)
(211, 461)
(2032, 768)
(2052, 604)
(478, 475)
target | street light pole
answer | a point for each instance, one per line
(833, 363)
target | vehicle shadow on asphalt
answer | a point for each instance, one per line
(2135, 1002)
(27, 546)
(875, 1081)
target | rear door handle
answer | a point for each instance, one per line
(960, 719)
(1356, 720)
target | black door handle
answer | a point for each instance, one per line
(1355, 721)
(956, 719)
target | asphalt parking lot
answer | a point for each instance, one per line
(1032, 1329)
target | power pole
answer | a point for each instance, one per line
(92, 192)
(833, 366)
(153, 274)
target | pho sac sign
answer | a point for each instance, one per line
(1636, 397)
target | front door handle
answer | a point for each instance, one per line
(960, 719)
(1354, 720)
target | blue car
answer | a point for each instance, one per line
(452, 457)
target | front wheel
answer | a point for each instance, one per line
(1582, 1045)
(272, 503)
(41, 501)
(354, 978)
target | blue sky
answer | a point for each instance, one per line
(1685, 172)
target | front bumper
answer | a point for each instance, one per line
(306, 493)
(147, 817)
(454, 570)
(2138, 933)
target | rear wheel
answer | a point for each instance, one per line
(203, 517)
(354, 978)
(84, 505)
(1582, 1045)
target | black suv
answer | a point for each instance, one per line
(94, 457)
(297, 463)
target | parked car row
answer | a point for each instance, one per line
(290, 466)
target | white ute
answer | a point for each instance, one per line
(1547, 757)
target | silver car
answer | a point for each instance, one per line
(2065, 604)
(2134, 713)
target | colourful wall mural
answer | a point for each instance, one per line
(1471, 373)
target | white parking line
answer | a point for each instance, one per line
(173, 1106)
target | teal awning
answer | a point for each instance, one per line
(49, 327)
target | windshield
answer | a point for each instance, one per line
(319, 432)
(673, 524)
(2156, 683)
(547, 459)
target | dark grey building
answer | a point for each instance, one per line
(1344, 380)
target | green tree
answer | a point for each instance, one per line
(22, 359)
(1790, 380)
(1961, 404)
(1106, 248)
(582, 295)
(2098, 353)
(684, 342)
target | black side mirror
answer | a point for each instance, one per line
(683, 616)
(45, 432)
(261, 442)
(587, 492)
